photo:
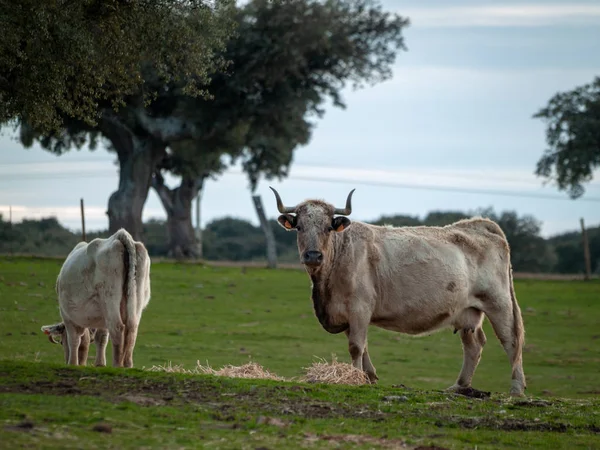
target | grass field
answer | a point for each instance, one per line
(221, 315)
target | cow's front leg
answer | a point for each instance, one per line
(357, 343)
(368, 367)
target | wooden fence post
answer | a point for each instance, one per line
(10, 227)
(82, 220)
(586, 251)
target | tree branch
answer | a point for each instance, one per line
(166, 129)
(115, 130)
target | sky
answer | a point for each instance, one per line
(452, 130)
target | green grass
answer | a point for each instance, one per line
(228, 315)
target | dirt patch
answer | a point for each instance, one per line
(472, 393)
(357, 440)
(536, 403)
(102, 428)
(518, 425)
(46, 387)
(144, 400)
(272, 421)
(26, 425)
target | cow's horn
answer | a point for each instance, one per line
(282, 209)
(51, 339)
(348, 209)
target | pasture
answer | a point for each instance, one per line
(230, 315)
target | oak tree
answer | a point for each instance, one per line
(573, 136)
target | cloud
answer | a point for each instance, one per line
(521, 15)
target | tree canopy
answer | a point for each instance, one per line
(573, 136)
(69, 59)
(286, 59)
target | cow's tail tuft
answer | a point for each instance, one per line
(130, 287)
(518, 327)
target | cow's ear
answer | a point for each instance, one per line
(287, 221)
(340, 223)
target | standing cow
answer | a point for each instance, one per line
(104, 285)
(412, 280)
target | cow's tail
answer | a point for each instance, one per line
(129, 310)
(518, 327)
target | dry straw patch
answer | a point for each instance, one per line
(248, 370)
(334, 372)
(321, 371)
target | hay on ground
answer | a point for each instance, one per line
(249, 370)
(321, 371)
(334, 373)
(169, 368)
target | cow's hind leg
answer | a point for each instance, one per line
(130, 338)
(116, 333)
(74, 334)
(101, 340)
(84, 347)
(505, 318)
(116, 330)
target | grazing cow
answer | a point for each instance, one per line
(105, 285)
(411, 280)
(99, 336)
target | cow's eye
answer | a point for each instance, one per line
(298, 228)
(329, 228)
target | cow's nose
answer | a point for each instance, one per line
(312, 257)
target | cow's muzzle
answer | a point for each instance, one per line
(312, 258)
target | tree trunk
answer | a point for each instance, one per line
(139, 155)
(178, 206)
(198, 225)
(136, 166)
(269, 236)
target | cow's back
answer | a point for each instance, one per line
(423, 275)
(92, 273)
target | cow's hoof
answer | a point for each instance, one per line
(517, 389)
(455, 388)
(372, 378)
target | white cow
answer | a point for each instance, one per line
(105, 285)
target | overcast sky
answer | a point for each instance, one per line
(452, 130)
